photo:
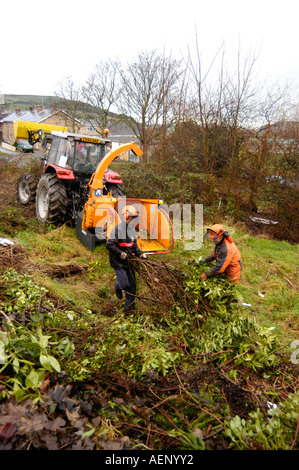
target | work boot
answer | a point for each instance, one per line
(118, 291)
(129, 308)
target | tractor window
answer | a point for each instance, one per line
(65, 154)
(53, 151)
(88, 156)
(61, 153)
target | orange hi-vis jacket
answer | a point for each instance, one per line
(228, 261)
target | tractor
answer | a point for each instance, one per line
(66, 168)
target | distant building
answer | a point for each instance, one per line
(37, 115)
(119, 132)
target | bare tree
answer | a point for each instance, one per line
(224, 105)
(70, 100)
(101, 92)
(269, 144)
(207, 103)
(240, 98)
(148, 95)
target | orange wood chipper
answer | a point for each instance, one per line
(102, 212)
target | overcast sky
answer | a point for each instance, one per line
(43, 42)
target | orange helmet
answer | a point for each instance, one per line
(216, 231)
(129, 211)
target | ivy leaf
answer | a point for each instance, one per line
(49, 363)
(33, 380)
(55, 364)
(2, 353)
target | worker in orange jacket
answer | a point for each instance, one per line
(226, 254)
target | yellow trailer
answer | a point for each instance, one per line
(23, 129)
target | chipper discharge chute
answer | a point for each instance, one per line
(101, 213)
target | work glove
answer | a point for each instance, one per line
(143, 256)
(123, 255)
(5, 242)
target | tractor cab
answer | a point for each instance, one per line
(76, 157)
(80, 154)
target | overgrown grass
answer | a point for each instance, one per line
(98, 351)
(270, 268)
(189, 368)
(270, 283)
(182, 371)
(53, 251)
(269, 276)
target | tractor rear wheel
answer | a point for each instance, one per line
(26, 188)
(51, 200)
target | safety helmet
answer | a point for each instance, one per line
(216, 231)
(129, 211)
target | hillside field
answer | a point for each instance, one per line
(198, 366)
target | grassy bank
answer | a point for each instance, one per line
(269, 277)
(270, 267)
(192, 368)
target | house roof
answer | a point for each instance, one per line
(29, 115)
(33, 115)
(117, 129)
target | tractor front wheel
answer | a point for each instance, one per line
(26, 188)
(51, 200)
